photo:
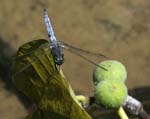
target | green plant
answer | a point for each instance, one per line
(110, 93)
(115, 71)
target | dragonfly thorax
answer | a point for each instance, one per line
(57, 54)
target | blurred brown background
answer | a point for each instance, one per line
(120, 29)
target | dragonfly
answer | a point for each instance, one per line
(55, 47)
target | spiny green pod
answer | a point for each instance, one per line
(115, 71)
(110, 93)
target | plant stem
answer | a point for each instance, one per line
(122, 113)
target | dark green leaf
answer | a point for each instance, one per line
(37, 77)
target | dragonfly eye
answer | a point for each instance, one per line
(59, 61)
(58, 58)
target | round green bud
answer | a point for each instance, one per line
(115, 71)
(110, 93)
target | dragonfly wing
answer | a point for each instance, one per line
(88, 60)
(73, 50)
(30, 53)
(28, 61)
(68, 47)
(28, 57)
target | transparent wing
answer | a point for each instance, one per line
(74, 50)
(47, 49)
(68, 46)
(88, 60)
(32, 56)
(34, 60)
(79, 52)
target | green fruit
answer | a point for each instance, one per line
(115, 71)
(110, 93)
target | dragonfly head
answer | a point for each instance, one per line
(59, 60)
(58, 54)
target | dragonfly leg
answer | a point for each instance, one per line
(58, 67)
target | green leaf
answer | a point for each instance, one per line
(37, 77)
